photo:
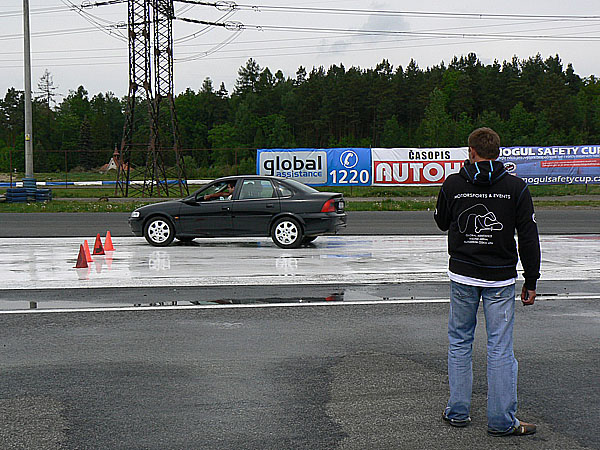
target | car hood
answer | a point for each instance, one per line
(169, 207)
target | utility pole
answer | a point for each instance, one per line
(29, 180)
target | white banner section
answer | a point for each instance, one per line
(306, 166)
(415, 166)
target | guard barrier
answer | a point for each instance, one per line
(24, 195)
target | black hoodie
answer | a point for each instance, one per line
(481, 207)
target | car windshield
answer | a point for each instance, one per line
(299, 186)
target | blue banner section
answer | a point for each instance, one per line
(349, 167)
(318, 167)
(553, 165)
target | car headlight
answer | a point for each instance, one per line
(135, 214)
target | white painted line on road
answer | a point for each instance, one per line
(271, 305)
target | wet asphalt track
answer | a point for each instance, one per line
(550, 221)
(346, 376)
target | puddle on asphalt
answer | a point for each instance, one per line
(345, 295)
(375, 294)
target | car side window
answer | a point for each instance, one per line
(217, 191)
(283, 190)
(267, 190)
(253, 189)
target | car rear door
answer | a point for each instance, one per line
(254, 207)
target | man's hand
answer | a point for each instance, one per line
(527, 296)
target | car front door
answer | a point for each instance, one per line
(256, 204)
(210, 217)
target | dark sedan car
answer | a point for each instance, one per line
(249, 205)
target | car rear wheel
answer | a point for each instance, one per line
(287, 233)
(159, 232)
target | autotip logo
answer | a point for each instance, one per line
(349, 159)
(510, 166)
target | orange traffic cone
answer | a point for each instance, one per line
(81, 260)
(108, 245)
(86, 248)
(98, 249)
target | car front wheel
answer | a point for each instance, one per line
(159, 232)
(287, 233)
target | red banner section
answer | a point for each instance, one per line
(416, 167)
(571, 163)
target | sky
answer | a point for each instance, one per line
(88, 46)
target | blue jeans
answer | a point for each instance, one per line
(499, 309)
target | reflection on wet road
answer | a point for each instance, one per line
(353, 260)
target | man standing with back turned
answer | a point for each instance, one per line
(481, 207)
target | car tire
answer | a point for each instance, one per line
(159, 231)
(308, 239)
(287, 233)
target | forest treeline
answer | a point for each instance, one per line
(533, 101)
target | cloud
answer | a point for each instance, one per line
(362, 42)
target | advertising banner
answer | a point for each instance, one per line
(415, 166)
(318, 167)
(553, 165)
(425, 166)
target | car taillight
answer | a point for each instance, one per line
(328, 206)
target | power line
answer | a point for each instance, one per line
(204, 30)
(349, 11)
(220, 45)
(296, 53)
(235, 26)
(214, 49)
(88, 4)
(50, 10)
(69, 31)
(261, 41)
(120, 49)
(95, 21)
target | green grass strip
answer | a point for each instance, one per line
(128, 206)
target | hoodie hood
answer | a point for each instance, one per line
(483, 173)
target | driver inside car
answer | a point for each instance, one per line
(224, 192)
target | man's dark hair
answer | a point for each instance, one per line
(486, 143)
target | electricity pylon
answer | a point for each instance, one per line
(150, 34)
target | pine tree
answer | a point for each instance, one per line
(47, 90)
